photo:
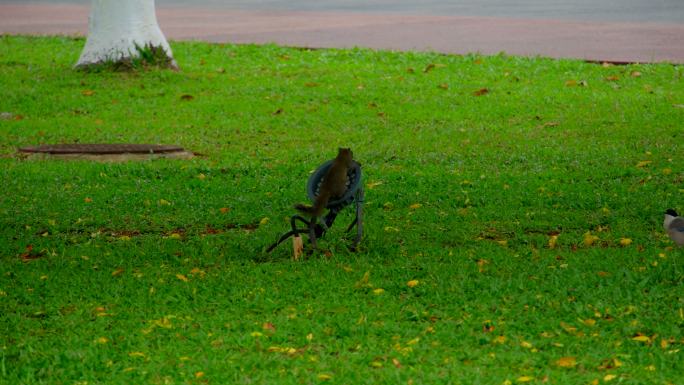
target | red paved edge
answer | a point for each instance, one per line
(614, 42)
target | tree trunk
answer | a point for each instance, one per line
(119, 29)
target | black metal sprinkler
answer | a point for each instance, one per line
(353, 194)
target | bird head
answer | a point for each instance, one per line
(671, 212)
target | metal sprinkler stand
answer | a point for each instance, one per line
(353, 194)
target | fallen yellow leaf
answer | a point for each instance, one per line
(625, 241)
(589, 239)
(568, 328)
(481, 264)
(163, 322)
(552, 241)
(524, 379)
(415, 206)
(136, 354)
(182, 277)
(199, 374)
(412, 283)
(324, 377)
(642, 338)
(102, 340)
(567, 362)
(609, 377)
(378, 291)
(268, 326)
(644, 163)
(364, 281)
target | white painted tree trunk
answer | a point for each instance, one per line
(117, 26)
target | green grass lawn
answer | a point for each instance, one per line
(530, 215)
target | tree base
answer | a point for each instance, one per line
(145, 58)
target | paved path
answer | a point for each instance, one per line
(600, 41)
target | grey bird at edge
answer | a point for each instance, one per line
(674, 225)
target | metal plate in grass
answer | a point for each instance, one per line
(107, 151)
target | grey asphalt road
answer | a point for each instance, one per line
(655, 11)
